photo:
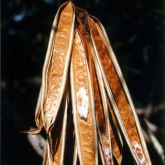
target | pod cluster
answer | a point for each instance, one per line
(84, 104)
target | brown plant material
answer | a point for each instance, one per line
(122, 110)
(101, 108)
(81, 74)
(57, 66)
(82, 102)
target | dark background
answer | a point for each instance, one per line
(137, 33)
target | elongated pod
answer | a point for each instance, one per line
(105, 139)
(56, 63)
(58, 151)
(101, 105)
(116, 140)
(82, 105)
(75, 154)
(58, 137)
(119, 101)
(48, 159)
(101, 108)
(107, 136)
(124, 87)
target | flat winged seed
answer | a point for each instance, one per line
(57, 65)
(84, 117)
(118, 98)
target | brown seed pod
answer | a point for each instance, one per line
(57, 63)
(81, 74)
(117, 95)
(82, 104)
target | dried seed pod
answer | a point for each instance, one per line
(70, 136)
(100, 115)
(116, 139)
(58, 149)
(75, 155)
(117, 95)
(56, 63)
(82, 104)
(103, 112)
(101, 109)
(101, 105)
(57, 137)
(108, 134)
(105, 137)
(48, 159)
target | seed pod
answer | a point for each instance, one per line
(103, 116)
(101, 109)
(119, 100)
(56, 63)
(75, 155)
(59, 142)
(115, 135)
(58, 136)
(82, 105)
(105, 137)
(101, 106)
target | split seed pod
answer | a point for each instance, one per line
(81, 74)
(83, 106)
(118, 93)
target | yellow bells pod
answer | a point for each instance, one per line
(84, 105)
(56, 64)
(118, 94)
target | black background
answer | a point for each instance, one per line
(136, 31)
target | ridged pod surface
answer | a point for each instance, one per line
(83, 110)
(57, 67)
(124, 109)
(84, 105)
(100, 109)
(58, 138)
(108, 143)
